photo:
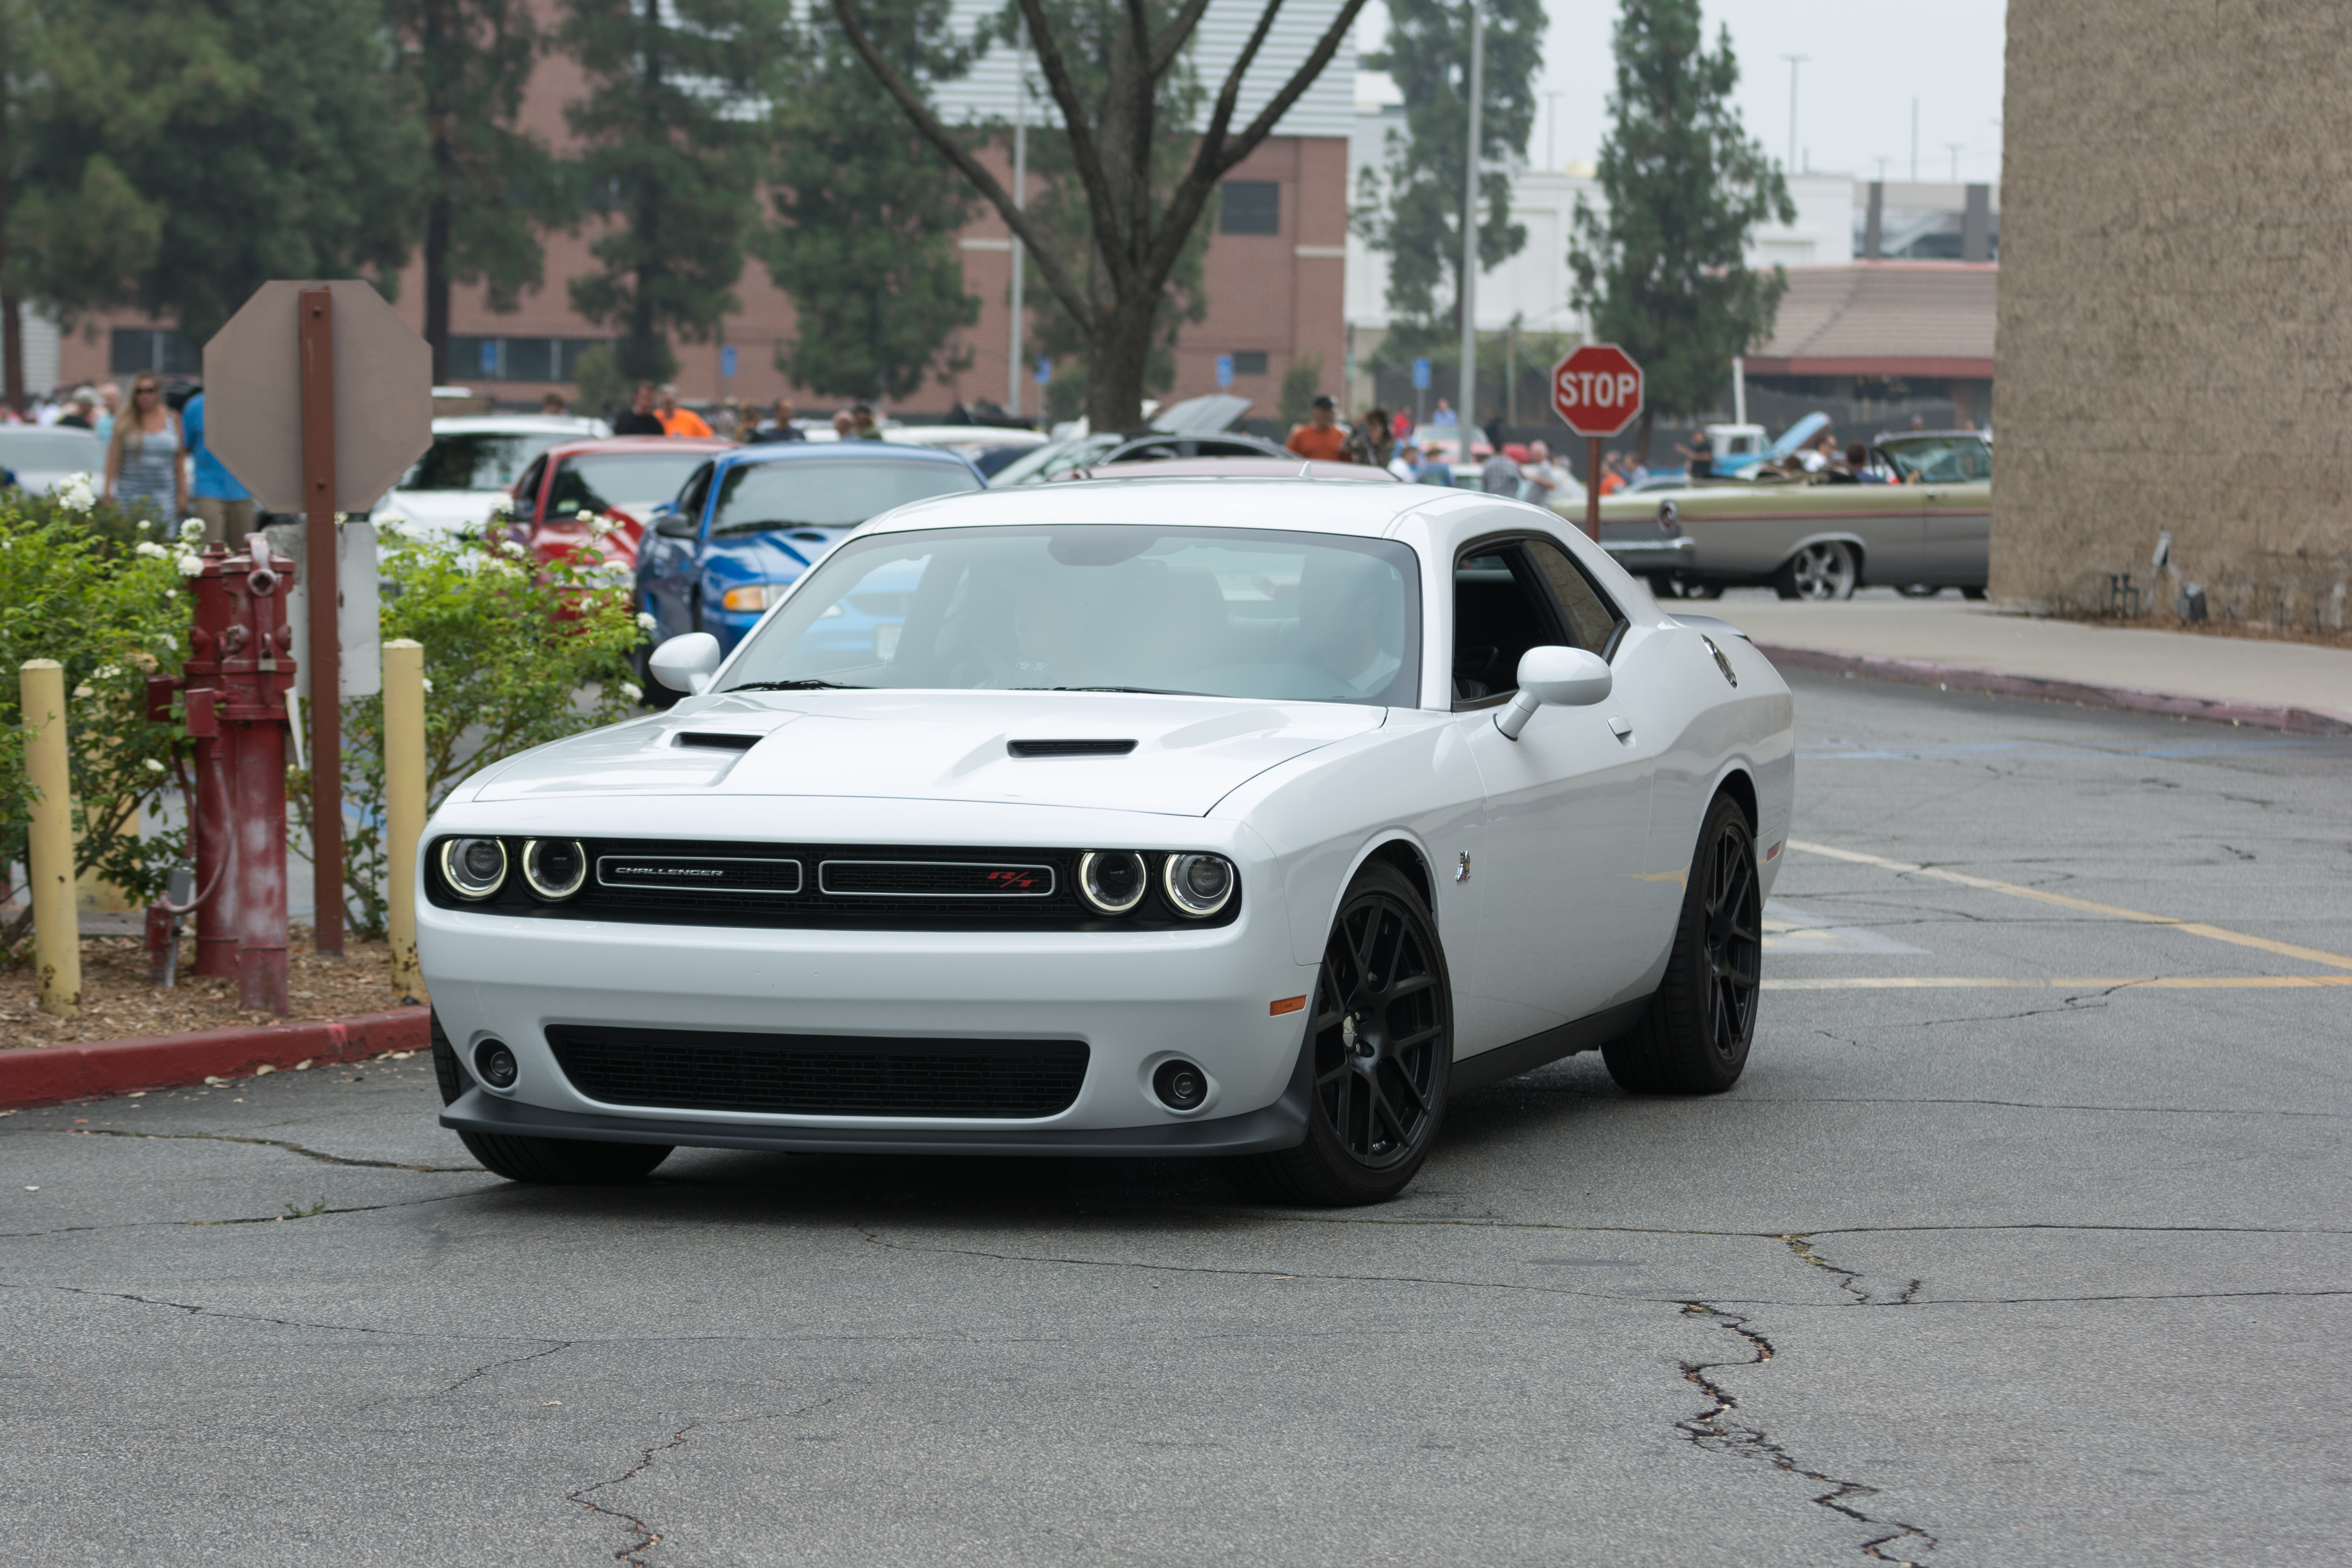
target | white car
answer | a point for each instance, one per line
(473, 464)
(43, 456)
(1191, 815)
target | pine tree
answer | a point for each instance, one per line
(1412, 207)
(674, 129)
(1662, 274)
(867, 214)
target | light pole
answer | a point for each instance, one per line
(1954, 149)
(1551, 132)
(1466, 411)
(1794, 61)
(1915, 141)
(1013, 366)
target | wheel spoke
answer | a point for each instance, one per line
(1403, 989)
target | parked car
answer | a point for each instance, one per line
(1818, 535)
(1074, 457)
(749, 522)
(987, 447)
(43, 456)
(1287, 466)
(1179, 817)
(475, 460)
(596, 495)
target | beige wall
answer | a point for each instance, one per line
(2176, 304)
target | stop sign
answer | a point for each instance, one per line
(1597, 390)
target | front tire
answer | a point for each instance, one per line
(568, 1161)
(1381, 1049)
(1822, 570)
(1694, 1037)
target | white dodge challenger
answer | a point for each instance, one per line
(1219, 817)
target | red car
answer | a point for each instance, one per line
(562, 496)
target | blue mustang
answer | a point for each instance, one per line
(748, 523)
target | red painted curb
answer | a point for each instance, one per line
(42, 1075)
(2123, 699)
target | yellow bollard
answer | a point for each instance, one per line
(403, 802)
(57, 929)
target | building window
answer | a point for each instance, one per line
(519, 358)
(1249, 207)
(1249, 363)
(137, 349)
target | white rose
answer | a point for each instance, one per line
(189, 566)
(154, 766)
(645, 621)
(636, 692)
(75, 492)
(191, 531)
(152, 551)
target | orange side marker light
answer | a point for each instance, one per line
(1287, 1004)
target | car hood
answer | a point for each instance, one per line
(442, 511)
(1189, 752)
(776, 557)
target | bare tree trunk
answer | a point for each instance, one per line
(435, 43)
(1641, 441)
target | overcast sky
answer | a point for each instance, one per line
(1869, 60)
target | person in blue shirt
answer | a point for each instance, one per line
(225, 506)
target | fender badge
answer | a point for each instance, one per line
(1464, 874)
(1720, 662)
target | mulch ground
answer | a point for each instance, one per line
(118, 1002)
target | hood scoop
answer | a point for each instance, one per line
(718, 740)
(1070, 748)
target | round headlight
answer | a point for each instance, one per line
(1112, 880)
(1198, 885)
(474, 868)
(553, 868)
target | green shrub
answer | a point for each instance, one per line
(504, 669)
(79, 587)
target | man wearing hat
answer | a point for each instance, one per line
(1320, 438)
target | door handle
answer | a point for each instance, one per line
(1620, 728)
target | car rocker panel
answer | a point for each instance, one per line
(1081, 921)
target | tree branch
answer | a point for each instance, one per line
(918, 113)
(1180, 32)
(1292, 90)
(1085, 152)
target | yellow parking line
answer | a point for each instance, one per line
(2194, 927)
(2151, 982)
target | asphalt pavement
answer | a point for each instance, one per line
(2023, 1240)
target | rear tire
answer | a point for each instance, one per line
(1972, 594)
(1822, 570)
(1381, 1053)
(570, 1162)
(1693, 1039)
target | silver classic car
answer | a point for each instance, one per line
(1923, 524)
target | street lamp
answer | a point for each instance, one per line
(1465, 411)
(1794, 61)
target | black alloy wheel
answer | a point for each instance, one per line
(1695, 1038)
(1380, 1049)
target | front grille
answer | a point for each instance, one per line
(820, 1075)
(934, 879)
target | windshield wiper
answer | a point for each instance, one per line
(797, 686)
(1137, 691)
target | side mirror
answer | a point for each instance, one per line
(1560, 677)
(675, 525)
(686, 664)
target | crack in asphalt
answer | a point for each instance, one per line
(647, 1536)
(488, 1368)
(1714, 1431)
(266, 1142)
(242, 1219)
(1848, 1279)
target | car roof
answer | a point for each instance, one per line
(28, 432)
(514, 424)
(640, 444)
(963, 435)
(1227, 469)
(1290, 505)
(843, 451)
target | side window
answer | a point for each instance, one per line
(1501, 608)
(1592, 621)
(526, 493)
(689, 500)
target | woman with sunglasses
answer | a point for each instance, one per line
(144, 476)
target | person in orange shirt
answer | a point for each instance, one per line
(1612, 475)
(676, 421)
(1320, 438)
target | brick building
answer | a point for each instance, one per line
(2174, 338)
(1274, 272)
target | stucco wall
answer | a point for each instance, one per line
(2175, 346)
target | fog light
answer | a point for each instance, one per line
(752, 597)
(496, 1065)
(474, 868)
(1198, 884)
(1181, 1085)
(1112, 880)
(554, 869)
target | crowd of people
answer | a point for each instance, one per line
(1435, 453)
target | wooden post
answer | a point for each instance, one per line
(404, 798)
(56, 930)
(1592, 489)
(316, 314)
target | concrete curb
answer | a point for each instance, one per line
(2123, 699)
(44, 1075)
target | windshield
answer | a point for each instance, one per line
(1207, 611)
(1940, 459)
(826, 492)
(635, 482)
(1055, 457)
(476, 461)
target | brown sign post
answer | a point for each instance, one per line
(1597, 390)
(318, 396)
